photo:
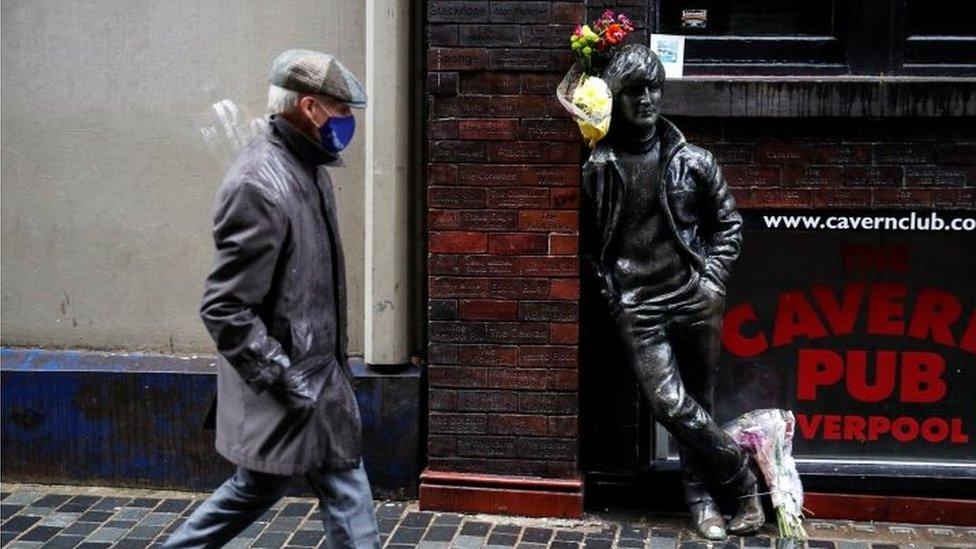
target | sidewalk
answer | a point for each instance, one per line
(88, 517)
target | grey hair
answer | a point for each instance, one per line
(281, 100)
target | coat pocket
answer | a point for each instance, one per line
(338, 416)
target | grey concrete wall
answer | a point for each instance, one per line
(107, 184)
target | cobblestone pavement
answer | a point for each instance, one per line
(84, 517)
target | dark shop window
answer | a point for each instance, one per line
(823, 37)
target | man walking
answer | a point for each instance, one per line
(275, 304)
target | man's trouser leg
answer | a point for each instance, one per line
(347, 507)
(656, 366)
(233, 507)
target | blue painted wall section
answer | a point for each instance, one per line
(137, 420)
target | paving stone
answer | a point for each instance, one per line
(729, 543)
(174, 525)
(40, 533)
(124, 524)
(821, 544)
(391, 510)
(475, 528)
(468, 542)
(52, 500)
(537, 535)
(405, 534)
(629, 543)
(885, 546)
(192, 507)
(95, 516)
(312, 523)
(440, 533)
(3, 495)
(156, 518)
(597, 543)
(433, 545)
(307, 538)
(239, 543)
(110, 504)
(132, 543)
(253, 530)
(693, 544)
(852, 545)
(23, 498)
(59, 519)
(7, 537)
(447, 519)
(417, 519)
(172, 505)
(92, 545)
(756, 541)
(296, 509)
(521, 545)
(145, 532)
(130, 513)
(634, 533)
(80, 528)
(19, 523)
(284, 524)
(35, 511)
(556, 544)
(63, 542)
(271, 539)
(78, 504)
(24, 544)
(386, 525)
(568, 535)
(502, 540)
(107, 535)
(506, 529)
(146, 503)
(7, 510)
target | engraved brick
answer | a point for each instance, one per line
(534, 152)
(462, 106)
(458, 151)
(442, 83)
(442, 399)
(563, 380)
(488, 309)
(456, 376)
(731, 154)
(450, 286)
(903, 197)
(440, 353)
(551, 176)
(786, 198)
(546, 448)
(490, 83)
(563, 244)
(488, 355)
(560, 426)
(540, 83)
(492, 129)
(456, 197)
(458, 423)
(486, 446)
(519, 288)
(935, 176)
(954, 198)
(442, 445)
(548, 130)
(517, 243)
(442, 129)
(457, 59)
(514, 378)
(548, 266)
(518, 105)
(458, 465)
(519, 12)
(839, 154)
(457, 242)
(548, 220)
(867, 176)
(545, 36)
(956, 153)
(782, 153)
(478, 265)
(903, 154)
(457, 12)
(551, 311)
(517, 332)
(751, 176)
(487, 401)
(549, 403)
(476, 220)
(511, 424)
(489, 175)
(489, 35)
(547, 356)
(518, 197)
(812, 176)
(842, 197)
(457, 332)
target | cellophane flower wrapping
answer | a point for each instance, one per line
(767, 434)
(588, 99)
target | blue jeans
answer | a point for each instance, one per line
(345, 498)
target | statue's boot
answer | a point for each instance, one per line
(705, 516)
(743, 486)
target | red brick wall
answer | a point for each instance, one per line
(502, 219)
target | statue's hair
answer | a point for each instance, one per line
(633, 63)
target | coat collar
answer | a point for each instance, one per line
(300, 145)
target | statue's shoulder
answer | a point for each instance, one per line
(699, 159)
(600, 156)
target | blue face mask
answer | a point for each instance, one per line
(336, 133)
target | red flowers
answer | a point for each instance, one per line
(607, 31)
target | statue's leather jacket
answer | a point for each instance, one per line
(696, 200)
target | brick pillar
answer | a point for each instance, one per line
(503, 266)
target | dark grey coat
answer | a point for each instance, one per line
(696, 200)
(275, 299)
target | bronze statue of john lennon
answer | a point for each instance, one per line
(660, 233)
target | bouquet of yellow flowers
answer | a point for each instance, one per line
(582, 93)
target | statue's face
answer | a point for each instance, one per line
(639, 104)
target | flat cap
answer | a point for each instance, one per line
(317, 73)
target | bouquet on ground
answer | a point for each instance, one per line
(582, 92)
(768, 436)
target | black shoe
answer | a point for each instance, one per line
(707, 520)
(749, 516)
